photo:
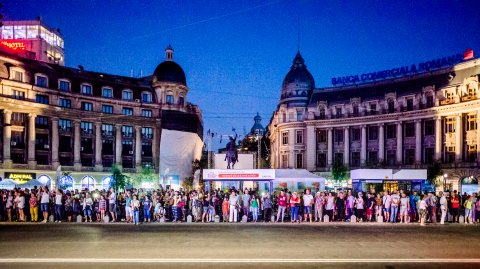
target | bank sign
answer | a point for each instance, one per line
(399, 71)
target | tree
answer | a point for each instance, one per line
(119, 180)
(339, 170)
(146, 175)
(434, 171)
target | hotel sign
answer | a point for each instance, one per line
(13, 45)
(20, 177)
(399, 71)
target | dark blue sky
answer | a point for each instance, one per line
(236, 53)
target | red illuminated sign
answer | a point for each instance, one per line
(13, 45)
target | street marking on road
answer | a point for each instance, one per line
(147, 260)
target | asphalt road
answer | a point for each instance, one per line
(344, 245)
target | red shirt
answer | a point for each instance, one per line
(294, 201)
(282, 200)
(455, 202)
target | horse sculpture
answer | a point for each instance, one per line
(232, 155)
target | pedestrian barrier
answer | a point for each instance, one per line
(353, 219)
(189, 218)
(380, 219)
(326, 218)
(217, 219)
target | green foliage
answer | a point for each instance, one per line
(339, 170)
(434, 170)
(119, 180)
(146, 175)
(187, 183)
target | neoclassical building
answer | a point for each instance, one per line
(87, 121)
(402, 122)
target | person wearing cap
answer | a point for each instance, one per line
(294, 202)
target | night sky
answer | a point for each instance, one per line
(236, 53)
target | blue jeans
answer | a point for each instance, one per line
(349, 213)
(255, 213)
(87, 212)
(294, 213)
(146, 213)
(393, 214)
(175, 213)
(58, 212)
(136, 216)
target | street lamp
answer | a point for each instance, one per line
(445, 182)
(258, 134)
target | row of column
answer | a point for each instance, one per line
(7, 135)
(311, 142)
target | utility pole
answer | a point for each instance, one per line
(259, 147)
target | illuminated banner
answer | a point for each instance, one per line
(20, 177)
(230, 174)
(399, 71)
(13, 45)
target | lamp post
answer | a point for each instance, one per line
(258, 134)
(445, 182)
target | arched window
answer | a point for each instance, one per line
(66, 183)
(106, 182)
(127, 95)
(88, 182)
(391, 106)
(44, 179)
(146, 97)
(170, 99)
(181, 101)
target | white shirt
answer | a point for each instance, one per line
(233, 200)
(359, 203)
(422, 205)
(330, 203)
(387, 200)
(307, 199)
(58, 199)
(443, 202)
(21, 202)
(45, 198)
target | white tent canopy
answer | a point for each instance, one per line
(31, 184)
(388, 174)
(296, 175)
(8, 184)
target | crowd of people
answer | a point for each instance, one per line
(140, 206)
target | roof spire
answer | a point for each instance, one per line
(169, 53)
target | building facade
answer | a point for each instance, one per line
(405, 122)
(86, 121)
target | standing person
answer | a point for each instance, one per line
(87, 207)
(413, 206)
(128, 207)
(319, 204)
(422, 210)
(443, 207)
(394, 206)
(330, 206)
(147, 206)
(370, 206)
(246, 203)
(350, 203)
(477, 210)
(33, 207)
(378, 206)
(455, 206)
(267, 208)
(135, 204)
(294, 202)
(225, 209)
(20, 201)
(307, 205)
(58, 205)
(69, 207)
(432, 207)
(254, 204)
(112, 206)
(9, 205)
(102, 206)
(44, 201)
(468, 204)
(404, 207)
(360, 206)
(282, 205)
(233, 202)
(387, 203)
(340, 205)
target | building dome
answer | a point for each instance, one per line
(298, 83)
(169, 71)
(257, 126)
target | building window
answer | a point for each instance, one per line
(41, 81)
(87, 127)
(299, 115)
(299, 161)
(322, 113)
(299, 136)
(107, 129)
(372, 132)
(338, 136)
(146, 113)
(429, 154)
(429, 127)
(355, 159)
(170, 99)
(429, 102)
(147, 133)
(339, 158)
(322, 136)
(391, 157)
(409, 104)
(64, 85)
(355, 110)
(410, 156)
(391, 131)
(127, 131)
(181, 101)
(146, 97)
(65, 125)
(284, 161)
(17, 75)
(321, 160)
(107, 109)
(65, 103)
(127, 95)
(449, 125)
(41, 122)
(41, 99)
(449, 96)
(86, 106)
(285, 138)
(107, 92)
(86, 89)
(373, 157)
(18, 119)
(391, 106)
(20, 95)
(472, 153)
(338, 112)
(284, 117)
(355, 134)
(450, 155)
(127, 111)
(471, 122)
(409, 129)
(373, 109)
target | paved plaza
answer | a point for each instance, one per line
(338, 245)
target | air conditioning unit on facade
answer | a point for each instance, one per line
(130, 152)
(137, 100)
(81, 149)
(13, 143)
(46, 146)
